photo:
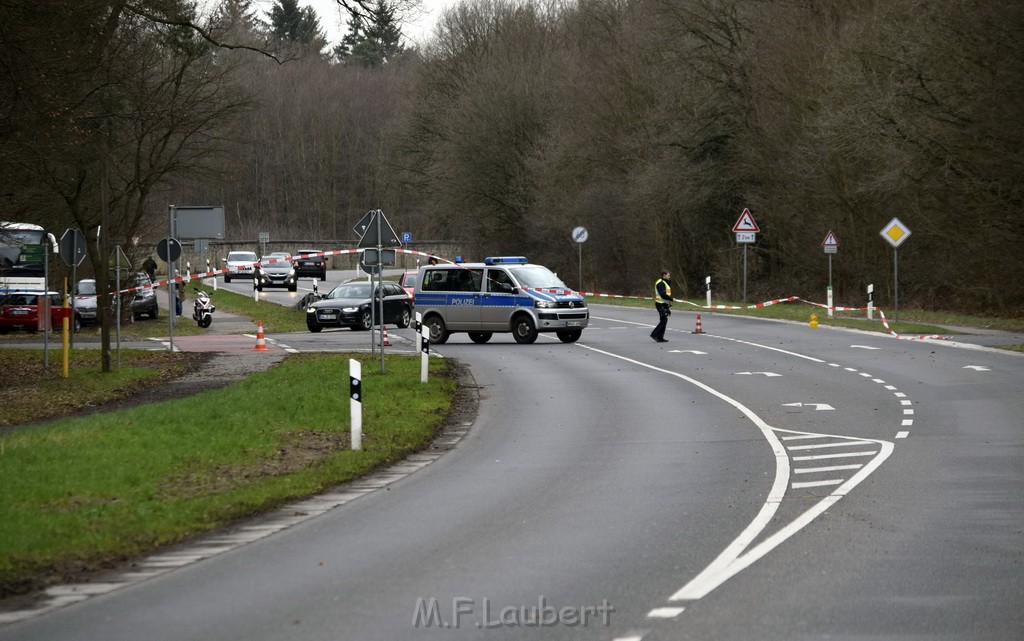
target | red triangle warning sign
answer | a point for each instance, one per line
(830, 240)
(745, 222)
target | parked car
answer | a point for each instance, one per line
(85, 301)
(144, 297)
(315, 266)
(407, 281)
(274, 271)
(20, 310)
(240, 265)
(348, 305)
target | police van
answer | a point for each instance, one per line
(501, 294)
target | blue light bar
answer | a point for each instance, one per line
(505, 260)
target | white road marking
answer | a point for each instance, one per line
(907, 422)
(877, 380)
(978, 368)
(906, 402)
(819, 446)
(865, 347)
(829, 468)
(766, 374)
(802, 437)
(818, 407)
(899, 395)
(908, 412)
(902, 434)
(686, 351)
(817, 457)
(665, 613)
(797, 486)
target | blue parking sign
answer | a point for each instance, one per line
(406, 237)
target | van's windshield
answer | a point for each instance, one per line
(537, 277)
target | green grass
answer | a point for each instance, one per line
(276, 318)
(31, 392)
(81, 492)
(912, 321)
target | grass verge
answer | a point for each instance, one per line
(276, 318)
(82, 493)
(29, 391)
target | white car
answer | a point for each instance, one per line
(240, 265)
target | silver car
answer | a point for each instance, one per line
(276, 271)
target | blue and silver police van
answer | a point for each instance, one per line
(502, 294)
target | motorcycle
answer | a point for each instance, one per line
(202, 309)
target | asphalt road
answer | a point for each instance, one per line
(763, 480)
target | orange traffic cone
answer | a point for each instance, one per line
(698, 329)
(261, 342)
(386, 342)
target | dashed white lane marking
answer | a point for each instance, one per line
(632, 637)
(665, 613)
(902, 434)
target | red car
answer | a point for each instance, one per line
(19, 310)
(407, 281)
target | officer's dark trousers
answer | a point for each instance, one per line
(664, 311)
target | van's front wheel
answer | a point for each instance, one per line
(437, 333)
(523, 329)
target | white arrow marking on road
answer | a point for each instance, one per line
(685, 351)
(865, 347)
(818, 407)
(978, 368)
(768, 374)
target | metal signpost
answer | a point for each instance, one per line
(831, 246)
(895, 233)
(72, 250)
(378, 235)
(580, 235)
(746, 232)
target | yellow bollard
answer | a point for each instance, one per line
(814, 321)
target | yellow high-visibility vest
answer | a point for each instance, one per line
(668, 291)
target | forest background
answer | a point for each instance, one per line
(652, 123)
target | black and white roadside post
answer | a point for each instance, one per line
(895, 233)
(355, 403)
(746, 232)
(871, 301)
(707, 283)
(580, 235)
(424, 341)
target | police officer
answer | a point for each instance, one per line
(663, 303)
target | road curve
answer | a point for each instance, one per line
(759, 480)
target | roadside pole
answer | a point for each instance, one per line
(355, 394)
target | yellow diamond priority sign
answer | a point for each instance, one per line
(895, 232)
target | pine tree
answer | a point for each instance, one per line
(290, 23)
(374, 42)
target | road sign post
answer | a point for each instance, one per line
(580, 235)
(746, 232)
(831, 246)
(895, 233)
(376, 233)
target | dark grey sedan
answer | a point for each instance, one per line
(348, 305)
